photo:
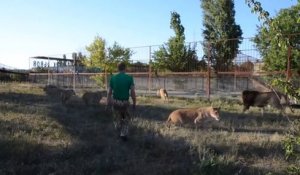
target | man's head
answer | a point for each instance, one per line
(121, 66)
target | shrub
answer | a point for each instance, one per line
(291, 145)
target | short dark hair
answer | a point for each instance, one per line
(121, 66)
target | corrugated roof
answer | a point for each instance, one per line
(52, 58)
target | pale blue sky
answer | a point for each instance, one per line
(54, 27)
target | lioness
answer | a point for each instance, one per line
(93, 98)
(74, 101)
(193, 115)
(65, 94)
(52, 90)
(162, 93)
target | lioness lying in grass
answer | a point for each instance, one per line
(193, 115)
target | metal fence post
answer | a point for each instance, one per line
(235, 68)
(106, 80)
(74, 77)
(288, 72)
(208, 72)
(149, 73)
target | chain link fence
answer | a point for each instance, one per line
(216, 78)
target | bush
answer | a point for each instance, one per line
(100, 80)
(291, 145)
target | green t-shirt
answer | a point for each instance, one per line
(121, 84)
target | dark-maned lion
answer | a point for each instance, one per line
(193, 115)
(93, 98)
(262, 99)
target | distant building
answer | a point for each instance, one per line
(258, 66)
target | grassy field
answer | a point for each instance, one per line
(38, 135)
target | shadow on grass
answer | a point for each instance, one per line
(96, 149)
(230, 121)
(249, 151)
(26, 99)
(241, 122)
(19, 156)
(154, 113)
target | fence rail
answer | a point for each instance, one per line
(244, 70)
(178, 84)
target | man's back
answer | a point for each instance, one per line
(121, 84)
(119, 87)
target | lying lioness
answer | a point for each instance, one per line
(193, 115)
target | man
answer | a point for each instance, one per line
(121, 86)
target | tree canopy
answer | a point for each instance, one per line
(116, 54)
(274, 40)
(222, 35)
(175, 55)
(106, 58)
(97, 53)
(285, 21)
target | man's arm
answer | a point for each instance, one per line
(133, 96)
(109, 94)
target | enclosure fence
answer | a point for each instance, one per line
(226, 75)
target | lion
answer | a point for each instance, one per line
(51, 90)
(163, 94)
(193, 115)
(65, 94)
(93, 98)
(74, 101)
(261, 99)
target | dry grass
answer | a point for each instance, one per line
(40, 136)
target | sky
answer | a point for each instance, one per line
(56, 27)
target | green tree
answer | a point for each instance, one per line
(257, 8)
(116, 54)
(273, 40)
(222, 35)
(105, 58)
(96, 60)
(175, 55)
(97, 55)
(292, 140)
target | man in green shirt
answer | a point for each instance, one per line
(121, 87)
